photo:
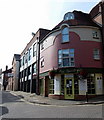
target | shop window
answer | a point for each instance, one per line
(41, 86)
(96, 54)
(66, 58)
(65, 34)
(51, 86)
(76, 85)
(62, 84)
(91, 84)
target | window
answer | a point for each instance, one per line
(51, 86)
(22, 60)
(34, 68)
(25, 72)
(65, 34)
(34, 50)
(29, 54)
(95, 35)
(42, 63)
(29, 70)
(91, 84)
(76, 85)
(26, 56)
(42, 46)
(68, 16)
(96, 54)
(62, 84)
(66, 58)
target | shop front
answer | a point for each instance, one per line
(75, 86)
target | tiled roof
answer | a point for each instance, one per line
(81, 19)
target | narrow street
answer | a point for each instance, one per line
(14, 107)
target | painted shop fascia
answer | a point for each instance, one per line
(80, 77)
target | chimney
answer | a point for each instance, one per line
(6, 67)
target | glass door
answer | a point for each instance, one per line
(69, 88)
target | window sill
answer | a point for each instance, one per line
(97, 59)
(96, 37)
(65, 42)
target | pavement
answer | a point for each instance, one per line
(41, 100)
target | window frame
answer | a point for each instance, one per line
(34, 50)
(65, 34)
(96, 54)
(61, 57)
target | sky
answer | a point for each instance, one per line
(19, 18)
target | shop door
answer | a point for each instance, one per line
(69, 88)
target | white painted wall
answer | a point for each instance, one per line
(99, 84)
(82, 87)
(49, 40)
(57, 84)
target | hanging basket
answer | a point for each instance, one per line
(52, 73)
(82, 74)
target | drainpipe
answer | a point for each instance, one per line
(102, 12)
(38, 65)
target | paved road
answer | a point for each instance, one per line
(14, 107)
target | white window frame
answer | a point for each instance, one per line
(34, 50)
(65, 34)
(96, 54)
(42, 62)
(62, 57)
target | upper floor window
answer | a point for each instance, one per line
(34, 68)
(68, 16)
(29, 54)
(29, 70)
(22, 60)
(96, 54)
(26, 57)
(65, 34)
(42, 46)
(42, 62)
(66, 58)
(95, 34)
(34, 50)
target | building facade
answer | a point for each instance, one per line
(66, 62)
(1, 79)
(29, 70)
(7, 78)
(71, 59)
(15, 72)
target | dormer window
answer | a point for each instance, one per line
(68, 16)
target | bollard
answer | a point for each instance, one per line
(87, 96)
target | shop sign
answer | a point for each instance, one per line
(69, 76)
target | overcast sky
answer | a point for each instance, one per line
(19, 18)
